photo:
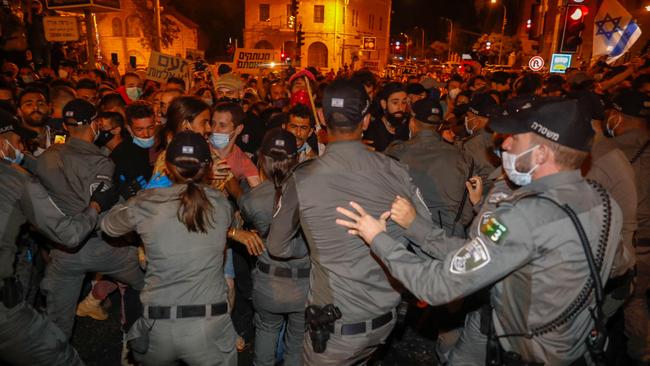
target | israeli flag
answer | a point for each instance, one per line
(615, 31)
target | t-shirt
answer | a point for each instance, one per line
(380, 137)
(240, 164)
(131, 161)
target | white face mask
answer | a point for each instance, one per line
(453, 93)
(18, 155)
(510, 167)
(134, 93)
(611, 130)
(469, 130)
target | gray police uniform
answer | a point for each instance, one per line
(440, 170)
(634, 144)
(71, 172)
(530, 250)
(343, 272)
(279, 286)
(480, 148)
(185, 292)
(26, 336)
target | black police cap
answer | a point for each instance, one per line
(188, 148)
(427, 111)
(556, 119)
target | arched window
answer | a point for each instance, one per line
(133, 25)
(116, 24)
(317, 54)
(264, 44)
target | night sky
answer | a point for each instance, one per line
(220, 20)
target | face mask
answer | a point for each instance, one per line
(103, 138)
(453, 93)
(219, 140)
(610, 130)
(134, 93)
(510, 163)
(95, 133)
(280, 103)
(63, 74)
(469, 130)
(18, 155)
(143, 143)
(302, 148)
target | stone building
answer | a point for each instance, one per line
(334, 31)
(121, 32)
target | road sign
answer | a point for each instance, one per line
(369, 43)
(61, 29)
(536, 63)
(560, 62)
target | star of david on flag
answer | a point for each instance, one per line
(615, 31)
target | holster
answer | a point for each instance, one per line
(140, 344)
(12, 292)
(621, 287)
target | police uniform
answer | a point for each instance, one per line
(71, 172)
(479, 145)
(635, 144)
(427, 155)
(185, 310)
(529, 249)
(279, 286)
(26, 336)
(342, 271)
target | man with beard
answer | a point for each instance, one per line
(33, 109)
(392, 124)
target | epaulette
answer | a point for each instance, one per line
(517, 196)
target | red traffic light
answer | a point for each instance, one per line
(578, 13)
(397, 47)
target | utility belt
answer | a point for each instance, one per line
(321, 321)
(185, 311)
(283, 272)
(11, 293)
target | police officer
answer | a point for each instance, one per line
(183, 228)
(343, 274)
(628, 124)
(279, 286)
(534, 247)
(71, 172)
(479, 145)
(26, 336)
(427, 155)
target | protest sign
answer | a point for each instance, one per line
(162, 67)
(61, 29)
(250, 60)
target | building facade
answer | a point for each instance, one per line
(334, 31)
(547, 19)
(121, 33)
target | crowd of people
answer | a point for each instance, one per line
(301, 215)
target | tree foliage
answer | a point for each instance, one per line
(168, 29)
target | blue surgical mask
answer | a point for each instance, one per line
(18, 155)
(510, 163)
(219, 140)
(134, 93)
(143, 143)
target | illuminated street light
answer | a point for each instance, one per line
(503, 28)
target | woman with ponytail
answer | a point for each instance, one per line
(279, 286)
(183, 228)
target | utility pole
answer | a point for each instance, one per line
(157, 44)
(451, 34)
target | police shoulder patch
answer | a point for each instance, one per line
(492, 228)
(471, 257)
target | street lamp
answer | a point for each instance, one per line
(407, 44)
(422, 43)
(451, 33)
(503, 28)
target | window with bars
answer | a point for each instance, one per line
(265, 12)
(319, 13)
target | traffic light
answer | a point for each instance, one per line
(294, 7)
(300, 37)
(573, 27)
